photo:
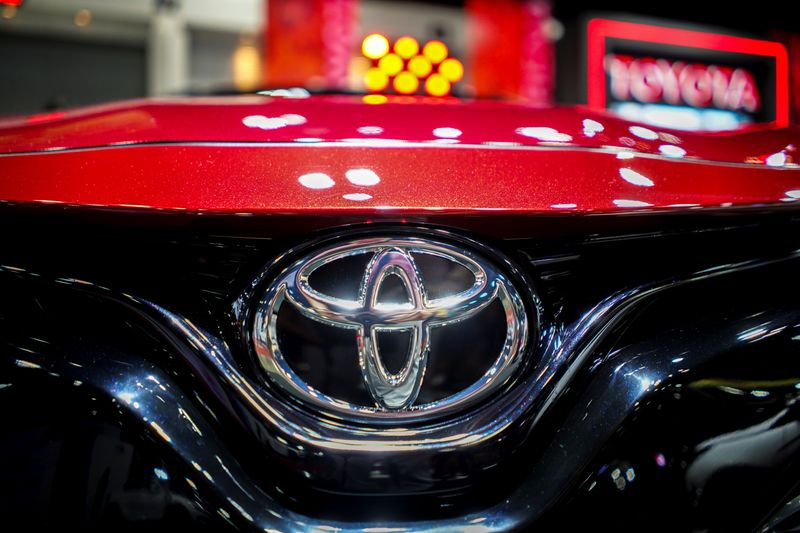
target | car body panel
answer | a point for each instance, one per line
(140, 234)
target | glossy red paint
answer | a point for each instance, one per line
(405, 156)
(601, 29)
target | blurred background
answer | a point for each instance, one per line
(635, 58)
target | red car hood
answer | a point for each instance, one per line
(265, 154)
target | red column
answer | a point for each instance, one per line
(309, 43)
(510, 53)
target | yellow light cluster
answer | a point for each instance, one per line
(405, 67)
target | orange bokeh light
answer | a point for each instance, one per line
(420, 66)
(375, 46)
(405, 66)
(375, 79)
(452, 69)
(406, 47)
(437, 85)
(405, 83)
(391, 64)
(435, 51)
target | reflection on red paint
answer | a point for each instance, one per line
(45, 117)
(12, 3)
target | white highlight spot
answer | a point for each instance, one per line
(544, 134)
(633, 177)
(362, 176)
(357, 197)
(294, 120)
(794, 193)
(631, 203)
(564, 206)
(447, 133)
(643, 133)
(591, 127)
(272, 123)
(776, 160)
(316, 180)
(264, 123)
(370, 130)
(625, 155)
(670, 150)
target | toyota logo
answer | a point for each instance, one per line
(394, 393)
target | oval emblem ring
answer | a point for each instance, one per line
(394, 393)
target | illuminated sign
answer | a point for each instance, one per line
(649, 80)
(683, 78)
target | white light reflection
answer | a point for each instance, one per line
(634, 178)
(671, 150)
(501, 143)
(643, 133)
(370, 130)
(447, 133)
(373, 142)
(564, 206)
(591, 127)
(241, 510)
(316, 180)
(264, 123)
(544, 134)
(625, 154)
(752, 334)
(776, 160)
(794, 193)
(160, 431)
(294, 92)
(357, 197)
(362, 176)
(631, 203)
(294, 119)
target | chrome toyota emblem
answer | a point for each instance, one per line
(394, 393)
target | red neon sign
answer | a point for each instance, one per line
(736, 92)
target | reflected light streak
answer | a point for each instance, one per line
(671, 150)
(544, 134)
(370, 130)
(272, 123)
(631, 203)
(357, 197)
(643, 133)
(634, 178)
